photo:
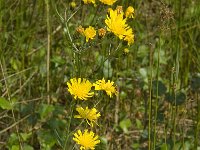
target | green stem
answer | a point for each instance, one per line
(48, 49)
(197, 123)
(150, 95)
(156, 105)
(72, 104)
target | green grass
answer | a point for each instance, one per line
(158, 80)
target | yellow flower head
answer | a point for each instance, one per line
(108, 2)
(88, 114)
(126, 50)
(116, 24)
(102, 32)
(89, 1)
(108, 10)
(129, 12)
(80, 89)
(87, 140)
(89, 33)
(106, 86)
(80, 29)
(119, 9)
(129, 36)
(73, 4)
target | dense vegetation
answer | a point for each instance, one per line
(157, 78)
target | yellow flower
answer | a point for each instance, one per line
(89, 1)
(108, 10)
(129, 36)
(87, 140)
(102, 32)
(89, 33)
(108, 2)
(80, 89)
(88, 114)
(106, 86)
(116, 24)
(129, 12)
(73, 4)
(80, 29)
(126, 50)
(119, 9)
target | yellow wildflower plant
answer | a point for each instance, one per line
(87, 140)
(80, 88)
(88, 114)
(106, 86)
(89, 33)
(89, 1)
(73, 4)
(117, 25)
(80, 29)
(126, 50)
(108, 10)
(108, 2)
(129, 12)
(119, 9)
(129, 36)
(102, 32)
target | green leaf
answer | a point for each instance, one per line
(45, 110)
(15, 147)
(177, 146)
(135, 145)
(5, 104)
(104, 140)
(16, 64)
(58, 60)
(177, 99)
(27, 147)
(187, 145)
(125, 124)
(142, 51)
(123, 95)
(46, 139)
(25, 136)
(107, 69)
(139, 124)
(164, 147)
(143, 72)
(195, 83)
(13, 142)
(162, 56)
(160, 87)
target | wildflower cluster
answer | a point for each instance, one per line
(115, 22)
(89, 1)
(81, 89)
(107, 2)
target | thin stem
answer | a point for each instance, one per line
(150, 95)
(69, 123)
(156, 105)
(48, 50)
(197, 123)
